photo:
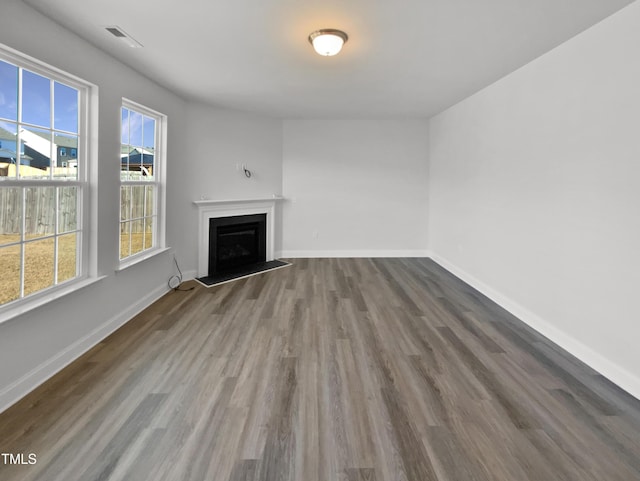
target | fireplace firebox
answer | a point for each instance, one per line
(236, 243)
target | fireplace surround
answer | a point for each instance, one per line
(213, 209)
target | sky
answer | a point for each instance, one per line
(36, 103)
(137, 130)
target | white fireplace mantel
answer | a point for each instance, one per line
(211, 209)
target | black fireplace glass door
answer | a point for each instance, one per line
(236, 242)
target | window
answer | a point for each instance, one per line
(141, 178)
(42, 226)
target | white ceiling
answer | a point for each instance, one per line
(403, 58)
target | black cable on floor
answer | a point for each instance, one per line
(172, 280)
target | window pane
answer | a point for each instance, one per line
(148, 233)
(8, 91)
(125, 202)
(38, 265)
(36, 99)
(66, 160)
(135, 164)
(150, 200)
(137, 234)
(124, 136)
(39, 212)
(9, 273)
(8, 150)
(38, 147)
(67, 254)
(149, 132)
(137, 201)
(148, 164)
(10, 214)
(67, 209)
(125, 228)
(135, 129)
(124, 162)
(65, 108)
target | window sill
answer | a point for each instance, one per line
(137, 259)
(28, 304)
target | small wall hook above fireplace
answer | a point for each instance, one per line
(247, 172)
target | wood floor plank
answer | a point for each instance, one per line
(331, 369)
(279, 455)
(452, 463)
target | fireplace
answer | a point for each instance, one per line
(225, 217)
(236, 242)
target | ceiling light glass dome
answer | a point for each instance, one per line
(328, 41)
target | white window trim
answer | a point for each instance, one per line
(160, 167)
(87, 179)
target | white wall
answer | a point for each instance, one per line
(360, 185)
(534, 194)
(217, 141)
(37, 344)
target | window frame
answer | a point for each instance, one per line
(158, 182)
(85, 182)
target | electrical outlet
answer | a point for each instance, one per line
(315, 234)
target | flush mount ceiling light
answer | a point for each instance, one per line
(328, 41)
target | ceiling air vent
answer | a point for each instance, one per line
(125, 37)
(115, 32)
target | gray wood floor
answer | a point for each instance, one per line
(332, 369)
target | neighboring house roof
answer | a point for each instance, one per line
(63, 141)
(7, 154)
(59, 140)
(6, 135)
(38, 143)
(127, 150)
(11, 154)
(147, 156)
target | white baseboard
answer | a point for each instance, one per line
(354, 253)
(612, 371)
(189, 275)
(34, 378)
